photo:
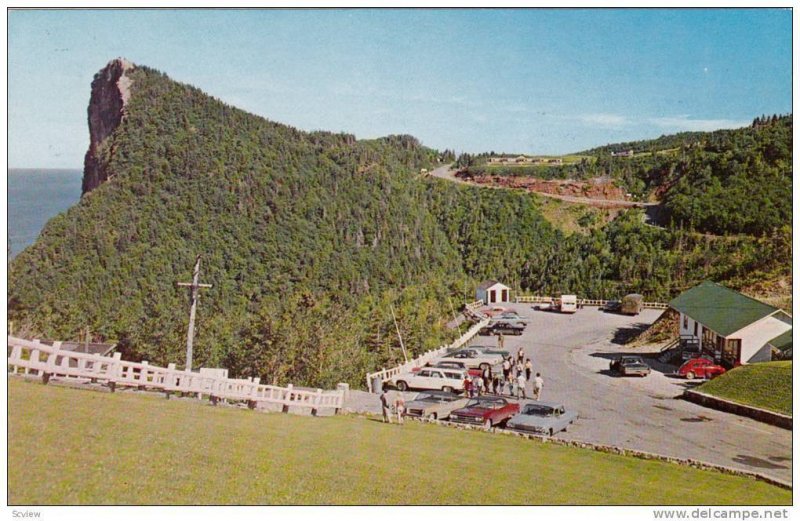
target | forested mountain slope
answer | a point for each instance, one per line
(308, 238)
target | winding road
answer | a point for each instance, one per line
(445, 172)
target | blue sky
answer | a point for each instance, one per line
(523, 80)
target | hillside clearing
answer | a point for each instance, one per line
(127, 448)
(765, 385)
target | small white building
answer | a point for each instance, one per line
(731, 327)
(492, 292)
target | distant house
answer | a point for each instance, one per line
(624, 153)
(492, 292)
(731, 327)
(556, 161)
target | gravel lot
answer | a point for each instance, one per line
(573, 352)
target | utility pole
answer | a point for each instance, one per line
(402, 345)
(195, 285)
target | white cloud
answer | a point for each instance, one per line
(684, 122)
(604, 120)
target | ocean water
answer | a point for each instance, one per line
(34, 197)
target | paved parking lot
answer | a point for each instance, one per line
(573, 352)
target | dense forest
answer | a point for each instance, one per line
(310, 238)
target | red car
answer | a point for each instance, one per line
(485, 410)
(700, 368)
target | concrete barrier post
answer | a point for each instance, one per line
(287, 398)
(317, 402)
(143, 375)
(115, 371)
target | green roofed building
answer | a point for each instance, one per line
(731, 327)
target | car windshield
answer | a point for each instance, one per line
(632, 360)
(430, 397)
(533, 409)
(488, 404)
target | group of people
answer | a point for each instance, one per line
(512, 382)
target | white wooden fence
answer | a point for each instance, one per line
(535, 299)
(33, 357)
(386, 374)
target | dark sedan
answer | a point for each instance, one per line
(629, 366)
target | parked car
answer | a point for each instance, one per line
(509, 322)
(504, 328)
(700, 368)
(542, 418)
(485, 410)
(436, 405)
(630, 365)
(431, 378)
(612, 306)
(472, 358)
(491, 350)
(449, 364)
(511, 316)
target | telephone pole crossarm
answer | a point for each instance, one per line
(195, 285)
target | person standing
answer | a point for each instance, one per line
(506, 367)
(387, 410)
(487, 377)
(521, 386)
(520, 356)
(538, 383)
(501, 340)
(512, 382)
(528, 369)
(519, 369)
(466, 385)
(496, 384)
(477, 383)
(400, 407)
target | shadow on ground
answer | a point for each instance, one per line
(623, 335)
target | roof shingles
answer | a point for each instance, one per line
(720, 309)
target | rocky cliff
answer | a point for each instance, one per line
(110, 93)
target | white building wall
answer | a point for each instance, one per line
(689, 329)
(755, 336)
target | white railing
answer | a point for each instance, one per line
(535, 299)
(33, 357)
(386, 374)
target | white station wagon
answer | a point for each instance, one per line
(472, 358)
(431, 379)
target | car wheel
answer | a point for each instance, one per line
(550, 432)
(447, 389)
(402, 386)
(487, 424)
(433, 416)
(690, 375)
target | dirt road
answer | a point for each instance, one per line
(445, 172)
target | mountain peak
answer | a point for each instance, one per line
(111, 90)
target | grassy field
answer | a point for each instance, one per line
(69, 446)
(765, 385)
